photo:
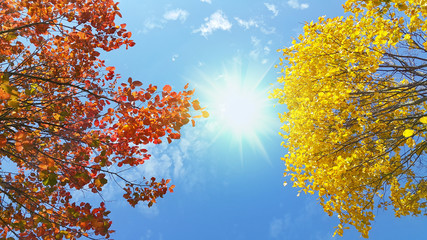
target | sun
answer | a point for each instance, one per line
(239, 108)
(236, 98)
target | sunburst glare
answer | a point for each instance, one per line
(237, 100)
(240, 109)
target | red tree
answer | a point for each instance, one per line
(64, 122)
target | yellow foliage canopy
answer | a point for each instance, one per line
(356, 92)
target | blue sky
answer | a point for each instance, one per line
(228, 176)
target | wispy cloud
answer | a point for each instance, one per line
(206, 1)
(176, 14)
(217, 21)
(173, 160)
(276, 228)
(268, 30)
(150, 212)
(259, 51)
(150, 24)
(295, 4)
(160, 22)
(247, 24)
(255, 41)
(174, 57)
(256, 22)
(272, 8)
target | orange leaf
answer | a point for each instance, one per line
(167, 88)
(186, 86)
(4, 95)
(19, 136)
(196, 105)
(19, 147)
(110, 68)
(193, 122)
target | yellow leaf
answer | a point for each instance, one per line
(13, 103)
(408, 133)
(205, 114)
(423, 120)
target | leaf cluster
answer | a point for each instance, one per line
(66, 123)
(356, 131)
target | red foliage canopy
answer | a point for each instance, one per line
(64, 121)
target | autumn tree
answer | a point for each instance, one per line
(356, 126)
(66, 121)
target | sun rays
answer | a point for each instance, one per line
(238, 103)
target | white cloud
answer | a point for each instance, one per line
(158, 166)
(150, 24)
(272, 8)
(295, 4)
(206, 1)
(259, 52)
(269, 30)
(216, 21)
(247, 24)
(304, 5)
(171, 15)
(174, 57)
(149, 212)
(255, 41)
(176, 14)
(256, 51)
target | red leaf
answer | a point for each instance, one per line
(137, 83)
(167, 88)
(3, 141)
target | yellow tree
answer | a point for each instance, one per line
(356, 126)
